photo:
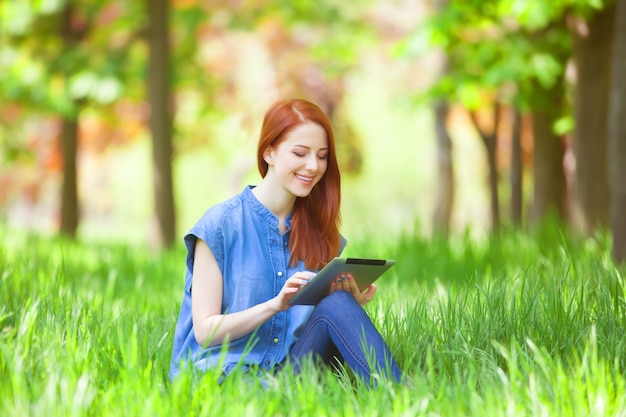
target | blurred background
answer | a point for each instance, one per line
(126, 120)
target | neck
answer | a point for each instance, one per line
(277, 200)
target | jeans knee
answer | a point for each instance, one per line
(337, 301)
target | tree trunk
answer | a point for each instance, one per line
(592, 52)
(490, 141)
(69, 188)
(517, 174)
(549, 178)
(159, 96)
(493, 182)
(617, 137)
(445, 190)
(69, 137)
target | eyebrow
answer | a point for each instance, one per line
(308, 147)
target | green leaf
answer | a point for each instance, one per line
(546, 68)
(107, 90)
(469, 94)
(534, 14)
(16, 17)
(48, 6)
(564, 125)
(82, 84)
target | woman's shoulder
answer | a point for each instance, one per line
(214, 223)
(219, 213)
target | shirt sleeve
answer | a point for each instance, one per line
(209, 229)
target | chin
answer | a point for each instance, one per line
(301, 193)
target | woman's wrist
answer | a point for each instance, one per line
(273, 305)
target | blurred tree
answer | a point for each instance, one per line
(546, 24)
(547, 103)
(515, 53)
(445, 167)
(592, 32)
(71, 35)
(617, 136)
(64, 57)
(549, 191)
(58, 58)
(543, 93)
(538, 50)
(174, 74)
(485, 52)
(161, 115)
(489, 137)
(517, 173)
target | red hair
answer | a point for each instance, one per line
(315, 223)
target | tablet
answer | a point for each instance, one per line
(364, 271)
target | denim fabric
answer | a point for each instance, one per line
(340, 327)
(254, 260)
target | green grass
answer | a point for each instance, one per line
(519, 325)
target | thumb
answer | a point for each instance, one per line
(371, 290)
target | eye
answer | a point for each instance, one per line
(323, 157)
(299, 154)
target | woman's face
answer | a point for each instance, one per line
(299, 161)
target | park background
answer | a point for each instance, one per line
(481, 143)
(239, 69)
(449, 117)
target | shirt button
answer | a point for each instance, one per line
(267, 363)
(279, 273)
(275, 340)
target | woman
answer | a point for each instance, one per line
(248, 256)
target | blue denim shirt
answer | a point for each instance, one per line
(254, 260)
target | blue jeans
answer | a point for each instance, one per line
(340, 328)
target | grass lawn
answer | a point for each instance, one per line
(522, 325)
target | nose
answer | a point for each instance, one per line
(312, 163)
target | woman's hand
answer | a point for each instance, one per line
(290, 288)
(346, 282)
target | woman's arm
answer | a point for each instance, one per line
(210, 326)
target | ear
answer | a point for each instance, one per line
(268, 155)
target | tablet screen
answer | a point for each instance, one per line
(364, 271)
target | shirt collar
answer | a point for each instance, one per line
(263, 212)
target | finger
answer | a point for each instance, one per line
(305, 277)
(371, 291)
(337, 281)
(347, 283)
(299, 281)
(292, 283)
(342, 282)
(352, 283)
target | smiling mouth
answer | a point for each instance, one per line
(303, 178)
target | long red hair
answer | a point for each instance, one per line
(315, 223)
